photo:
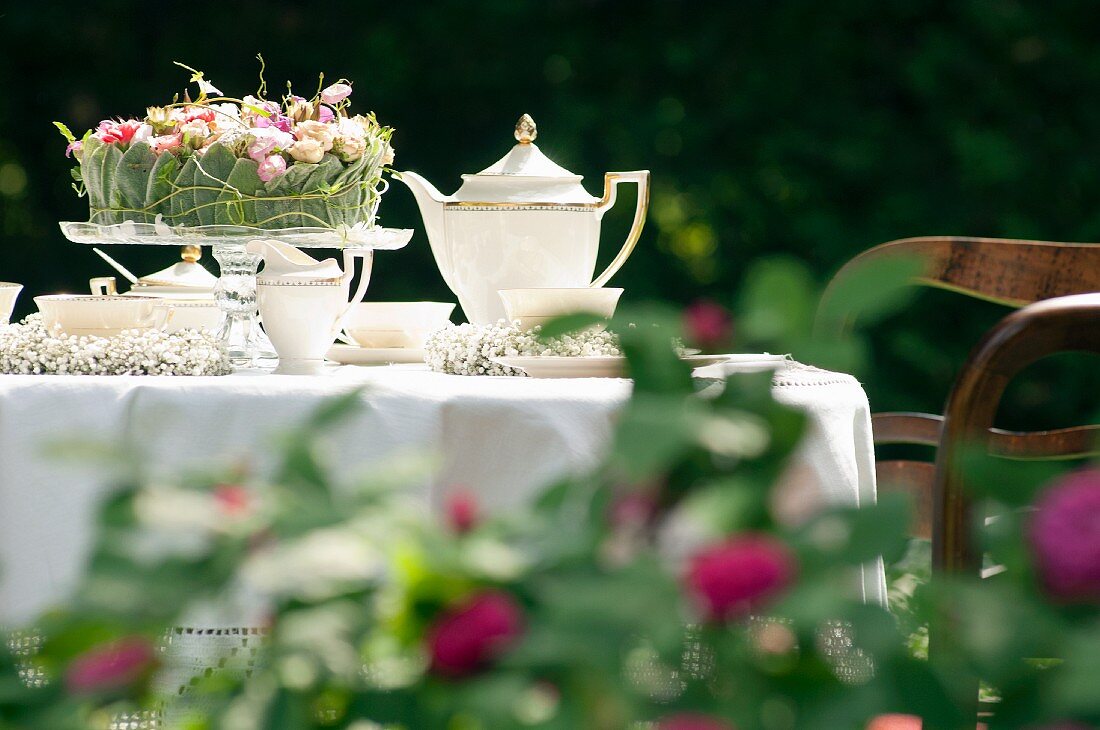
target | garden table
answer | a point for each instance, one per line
(504, 438)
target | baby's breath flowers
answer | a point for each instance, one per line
(29, 349)
(468, 349)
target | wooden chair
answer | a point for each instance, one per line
(1009, 272)
(1063, 324)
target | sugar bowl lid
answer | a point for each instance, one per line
(185, 274)
(525, 174)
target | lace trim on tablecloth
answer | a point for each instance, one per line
(795, 375)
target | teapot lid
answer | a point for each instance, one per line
(188, 273)
(525, 159)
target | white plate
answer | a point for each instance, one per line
(606, 366)
(747, 363)
(352, 355)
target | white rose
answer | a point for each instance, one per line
(144, 133)
(307, 150)
(320, 132)
(194, 132)
(349, 149)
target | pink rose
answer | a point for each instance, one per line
(336, 93)
(111, 666)
(279, 121)
(735, 577)
(634, 508)
(707, 324)
(166, 142)
(107, 132)
(1064, 534)
(192, 113)
(232, 499)
(266, 141)
(466, 638)
(692, 721)
(129, 129)
(462, 510)
(271, 168)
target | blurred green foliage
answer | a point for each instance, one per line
(810, 129)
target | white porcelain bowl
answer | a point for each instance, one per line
(99, 315)
(9, 292)
(191, 314)
(532, 307)
(395, 324)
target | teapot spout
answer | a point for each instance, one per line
(430, 201)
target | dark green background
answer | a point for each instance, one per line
(813, 129)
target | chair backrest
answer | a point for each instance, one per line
(1006, 271)
(1009, 272)
(1063, 324)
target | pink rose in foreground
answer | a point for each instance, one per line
(735, 577)
(335, 93)
(232, 499)
(692, 721)
(635, 508)
(894, 722)
(111, 666)
(1065, 537)
(466, 638)
(461, 510)
(271, 168)
(707, 324)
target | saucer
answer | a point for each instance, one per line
(352, 355)
(597, 366)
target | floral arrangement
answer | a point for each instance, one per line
(251, 161)
(29, 348)
(469, 349)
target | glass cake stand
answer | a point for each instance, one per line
(235, 291)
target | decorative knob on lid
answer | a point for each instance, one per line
(526, 131)
(191, 253)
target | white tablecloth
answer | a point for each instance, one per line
(502, 437)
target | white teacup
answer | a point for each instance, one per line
(395, 324)
(9, 292)
(536, 306)
(100, 315)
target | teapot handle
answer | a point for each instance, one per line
(367, 257)
(611, 181)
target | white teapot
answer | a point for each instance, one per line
(521, 222)
(303, 301)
